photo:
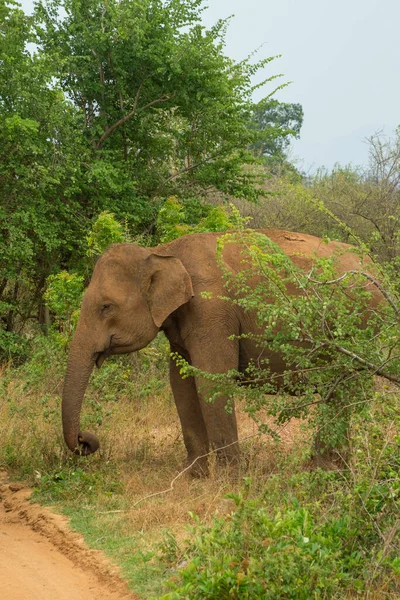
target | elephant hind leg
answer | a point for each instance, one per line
(193, 427)
(331, 440)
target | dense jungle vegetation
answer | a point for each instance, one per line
(125, 121)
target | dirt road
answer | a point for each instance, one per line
(41, 559)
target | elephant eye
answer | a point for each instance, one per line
(105, 307)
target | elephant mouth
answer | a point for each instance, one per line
(100, 357)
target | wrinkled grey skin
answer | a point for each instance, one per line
(136, 292)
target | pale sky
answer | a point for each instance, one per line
(343, 57)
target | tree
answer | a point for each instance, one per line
(38, 172)
(159, 99)
(368, 200)
(276, 123)
(118, 106)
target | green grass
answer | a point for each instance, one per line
(130, 549)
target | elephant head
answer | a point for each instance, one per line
(132, 292)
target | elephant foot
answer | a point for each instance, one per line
(197, 467)
(329, 460)
(225, 457)
(329, 457)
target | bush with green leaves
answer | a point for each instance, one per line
(64, 290)
(251, 554)
(171, 220)
(63, 296)
(106, 230)
(181, 217)
(13, 346)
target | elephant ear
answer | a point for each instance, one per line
(170, 286)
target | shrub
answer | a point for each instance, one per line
(106, 230)
(253, 554)
(304, 534)
(63, 296)
(177, 218)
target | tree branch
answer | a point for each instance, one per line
(189, 168)
(127, 117)
(367, 276)
(371, 366)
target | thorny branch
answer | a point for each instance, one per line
(373, 280)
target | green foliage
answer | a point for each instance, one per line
(252, 555)
(73, 480)
(218, 219)
(276, 123)
(303, 534)
(13, 346)
(106, 230)
(151, 84)
(114, 106)
(180, 218)
(63, 296)
(171, 220)
(39, 174)
(46, 356)
(38, 154)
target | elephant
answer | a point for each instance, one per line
(136, 292)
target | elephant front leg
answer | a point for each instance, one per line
(220, 423)
(191, 417)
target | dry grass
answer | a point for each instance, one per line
(146, 442)
(142, 442)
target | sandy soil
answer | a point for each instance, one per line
(41, 559)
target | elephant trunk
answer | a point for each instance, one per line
(79, 369)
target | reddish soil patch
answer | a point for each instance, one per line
(42, 559)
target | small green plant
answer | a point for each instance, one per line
(13, 346)
(106, 230)
(171, 220)
(169, 548)
(63, 296)
(177, 218)
(73, 481)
